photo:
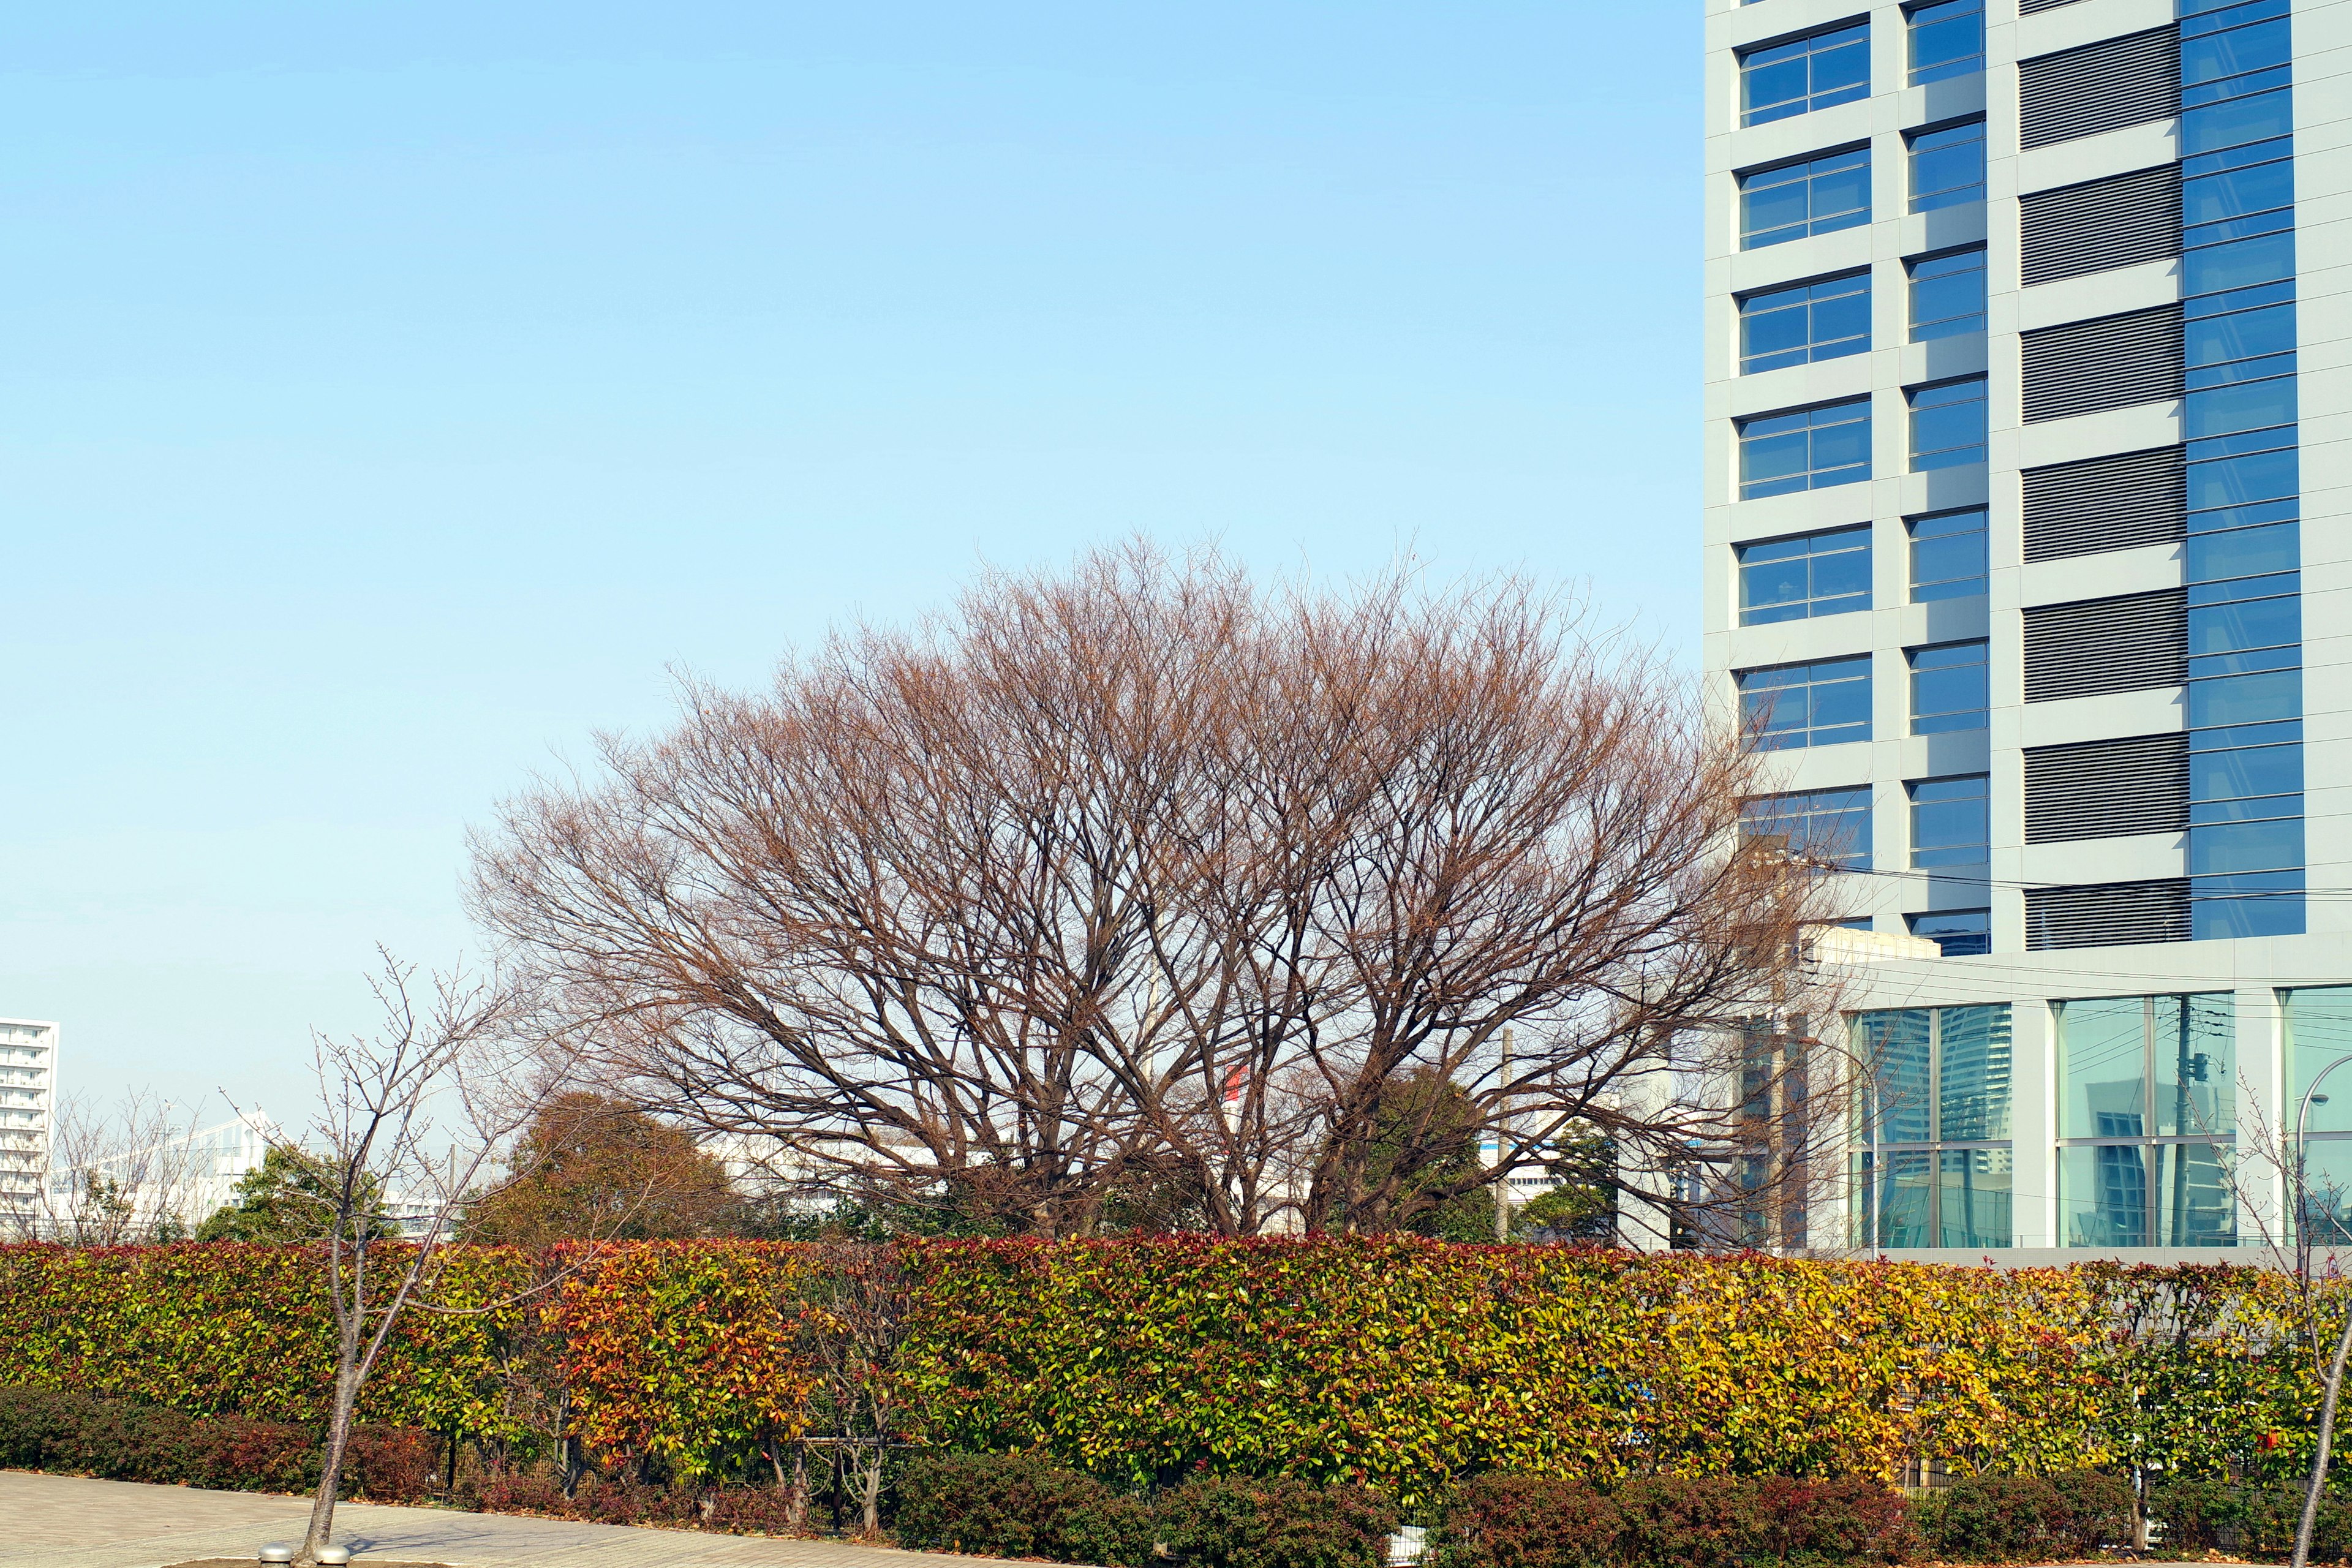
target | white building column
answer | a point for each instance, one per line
(2033, 1122)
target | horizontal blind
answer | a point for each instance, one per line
(2099, 225)
(2107, 914)
(2099, 87)
(2106, 789)
(2129, 643)
(2117, 502)
(2107, 362)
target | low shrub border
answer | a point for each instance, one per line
(117, 1440)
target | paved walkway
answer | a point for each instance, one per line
(67, 1522)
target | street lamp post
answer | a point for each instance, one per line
(2311, 1097)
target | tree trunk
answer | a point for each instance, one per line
(2335, 1387)
(330, 1467)
(870, 1518)
(796, 1511)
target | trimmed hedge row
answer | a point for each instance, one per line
(1391, 1363)
(41, 1429)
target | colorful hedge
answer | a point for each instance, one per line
(1395, 1363)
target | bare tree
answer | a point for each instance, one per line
(428, 1082)
(118, 1174)
(1145, 873)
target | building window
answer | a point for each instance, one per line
(1949, 688)
(1960, 933)
(1948, 424)
(1796, 77)
(2317, 1022)
(2149, 1113)
(1938, 1164)
(1948, 294)
(1816, 196)
(1948, 166)
(1823, 703)
(1809, 449)
(1829, 828)
(1951, 822)
(1812, 574)
(1808, 321)
(1946, 39)
(1948, 555)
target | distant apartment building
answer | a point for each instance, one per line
(29, 1077)
(2026, 557)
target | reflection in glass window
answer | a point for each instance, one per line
(1827, 827)
(1809, 449)
(1816, 196)
(1948, 424)
(1948, 294)
(1951, 822)
(1821, 703)
(1935, 1162)
(1810, 575)
(1946, 39)
(1779, 80)
(1949, 688)
(2317, 1023)
(1948, 166)
(1961, 933)
(1948, 555)
(2148, 1111)
(1806, 322)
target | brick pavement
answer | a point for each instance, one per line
(69, 1522)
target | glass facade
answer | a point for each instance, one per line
(2147, 1116)
(1937, 1168)
(2244, 552)
(1809, 575)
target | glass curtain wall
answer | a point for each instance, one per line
(1937, 1165)
(2318, 1032)
(2148, 1120)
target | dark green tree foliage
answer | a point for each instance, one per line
(286, 1203)
(593, 1169)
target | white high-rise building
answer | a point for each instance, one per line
(2028, 557)
(28, 1079)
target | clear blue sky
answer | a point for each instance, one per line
(390, 394)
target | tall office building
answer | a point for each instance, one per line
(2029, 379)
(28, 1078)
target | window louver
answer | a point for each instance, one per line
(2108, 362)
(2106, 789)
(2107, 914)
(2099, 87)
(2129, 643)
(2027, 7)
(2102, 224)
(2117, 502)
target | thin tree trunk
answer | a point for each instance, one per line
(871, 1519)
(2335, 1386)
(796, 1511)
(330, 1467)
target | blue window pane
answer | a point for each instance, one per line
(2209, 376)
(2260, 904)
(2246, 773)
(1818, 704)
(2246, 847)
(1813, 574)
(1961, 933)
(2217, 740)
(2243, 334)
(2234, 87)
(2241, 156)
(2212, 56)
(2246, 699)
(1947, 295)
(2243, 552)
(2235, 481)
(1809, 449)
(2238, 264)
(1816, 196)
(2227, 628)
(1828, 828)
(1808, 322)
(1950, 689)
(1951, 821)
(2238, 120)
(1811, 73)
(1948, 166)
(2258, 808)
(2266, 440)
(2237, 193)
(1947, 424)
(1948, 556)
(2249, 406)
(1947, 41)
(2230, 589)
